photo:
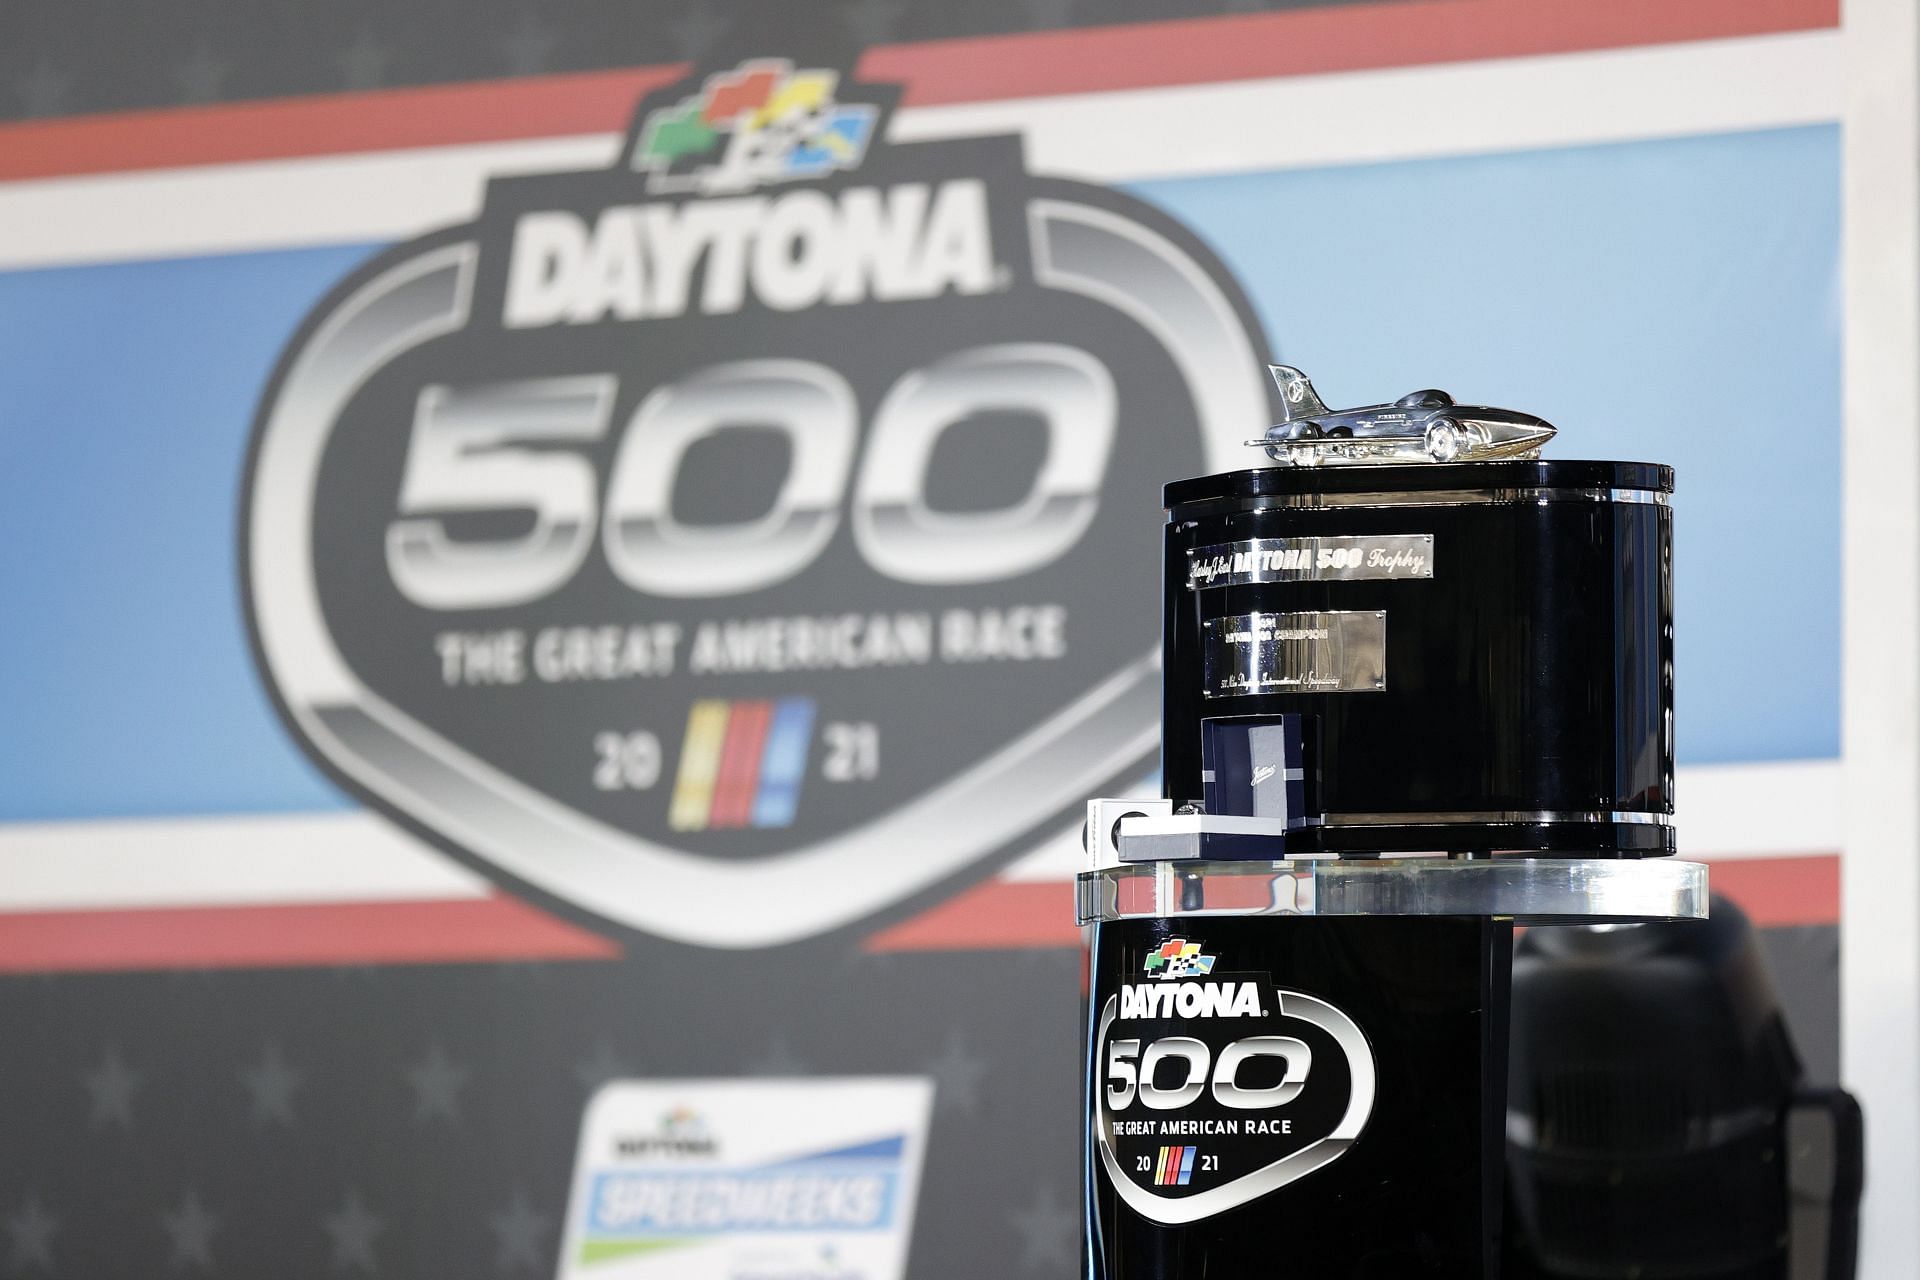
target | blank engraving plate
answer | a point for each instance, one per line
(1296, 653)
(1342, 558)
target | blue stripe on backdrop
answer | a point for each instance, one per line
(1665, 300)
(1676, 301)
(126, 394)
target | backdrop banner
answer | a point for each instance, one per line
(563, 626)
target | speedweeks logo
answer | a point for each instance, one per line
(744, 538)
(791, 1179)
(1220, 1088)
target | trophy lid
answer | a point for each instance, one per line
(1428, 484)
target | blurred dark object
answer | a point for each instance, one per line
(1657, 1126)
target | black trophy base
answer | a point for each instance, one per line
(1239, 1133)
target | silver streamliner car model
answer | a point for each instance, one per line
(1424, 426)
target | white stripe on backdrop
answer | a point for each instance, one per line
(1754, 82)
(1726, 811)
(1780, 809)
(1880, 876)
(229, 860)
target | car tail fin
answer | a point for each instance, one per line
(1297, 398)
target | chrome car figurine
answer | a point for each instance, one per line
(1424, 426)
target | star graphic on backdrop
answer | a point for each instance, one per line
(201, 75)
(523, 972)
(43, 91)
(190, 1231)
(873, 21)
(696, 30)
(956, 1075)
(111, 1087)
(353, 1229)
(363, 64)
(603, 1066)
(30, 1236)
(1054, 976)
(519, 1231)
(437, 1081)
(1048, 15)
(529, 46)
(271, 1083)
(778, 1060)
(859, 960)
(1049, 1232)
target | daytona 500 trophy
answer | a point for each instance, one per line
(1418, 687)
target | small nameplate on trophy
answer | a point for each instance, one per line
(1251, 653)
(1326, 559)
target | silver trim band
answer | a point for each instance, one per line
(1496, 816)
(1444, 498)
(1527, 889)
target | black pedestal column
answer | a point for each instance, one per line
(1405, 707)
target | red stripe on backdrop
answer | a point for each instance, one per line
(1001, 914)
(493, 928)
(1347, 37)
(1352, 37)
(386, 120)
(1782, 891)
(998, 915)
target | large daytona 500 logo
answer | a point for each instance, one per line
(746, 537)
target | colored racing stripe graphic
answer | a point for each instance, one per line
(1174, 1168)
(741, 763)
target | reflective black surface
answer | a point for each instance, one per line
(1531, 674)
(1418, 1193)
(1658, 1124)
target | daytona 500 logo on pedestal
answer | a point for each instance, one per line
(1217, 1088)
(741, 539)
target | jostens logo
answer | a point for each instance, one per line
(743, 538)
